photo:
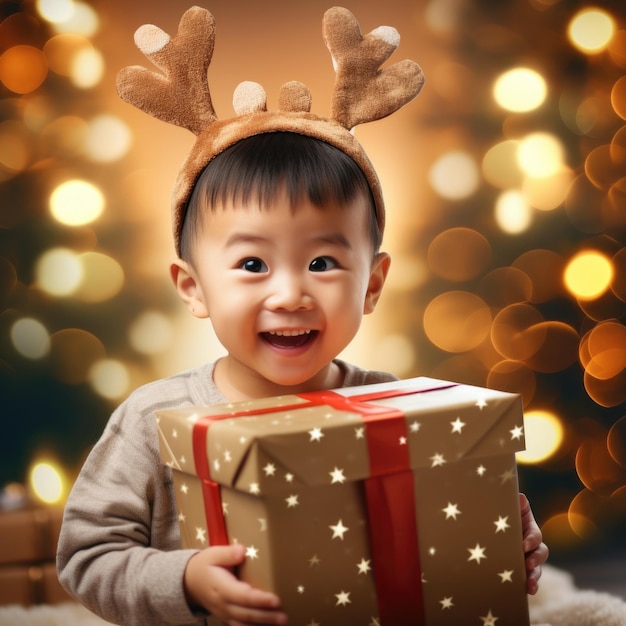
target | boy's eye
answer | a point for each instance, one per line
(254, 265)
(322, 264)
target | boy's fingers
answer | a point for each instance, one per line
(532, 581)
(247, 617)
(225, 556)
(243, 595)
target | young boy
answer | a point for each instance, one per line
(278, 237)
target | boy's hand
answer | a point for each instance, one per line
(535, 550)
(210, 584)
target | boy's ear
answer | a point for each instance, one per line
(189, 290)
(378, 275)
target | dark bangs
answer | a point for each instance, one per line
(258, 168)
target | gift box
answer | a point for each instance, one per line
(31, 584)
(29, 534)
(388, 504)
(28, 543)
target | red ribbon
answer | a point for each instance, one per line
(389, 492)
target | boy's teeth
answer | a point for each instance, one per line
(289, 333)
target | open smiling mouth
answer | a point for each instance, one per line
(289, 338)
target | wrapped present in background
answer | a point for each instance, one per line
(28, 543)
(385, 504)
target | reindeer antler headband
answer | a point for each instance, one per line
(363, 92)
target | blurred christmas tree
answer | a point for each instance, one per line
(525, 250)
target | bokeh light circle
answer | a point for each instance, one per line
(458, 254)
(513, 213)
(46, 482)
(108, 139)
(591, 30)
(541, 154)
(544, 435)
(618, 97)
(500, 165)
(457, 321)
(520, 89)
(76, 202)
(596, 468)
(151, 333)
(454, 175)
(504, 286)
(588, 275)
(59, 272)
(511, 332)
(514, 377)
(102, 277)
(109, 378)
(30, 338)
(23, 69)
(544, 268)
(616, 441)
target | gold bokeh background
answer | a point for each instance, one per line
(506, 273)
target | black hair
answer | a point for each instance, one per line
(260, 167)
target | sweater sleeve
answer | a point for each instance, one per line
(119, 548)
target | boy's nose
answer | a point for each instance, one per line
(289, 293)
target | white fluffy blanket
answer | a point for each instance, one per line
(558, 603)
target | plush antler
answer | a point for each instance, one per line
(180, 95)
(363, 91)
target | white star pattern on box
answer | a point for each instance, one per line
(359, 432)
(201, 535)
(316, 434)
(184, 488)
(451, 511)
(343, 598)
(337, 476)
(457, 425)
(363, 566)
(300, 589)
(314, 560)
(481, 403)
(338, 530)
(227, 456)
(254, 489)
(489, 619)
(517, 432)
(476, 553)
(480, 470)
(437, 460)
(252, 552)
(501, 524)
(292, 501)
(506, 476)
(269, 469)
(414, 426)
(289, 477)
(506, 576)
(446, 603)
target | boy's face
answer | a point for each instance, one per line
(285, 290)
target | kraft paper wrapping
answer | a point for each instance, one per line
(293, 482)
